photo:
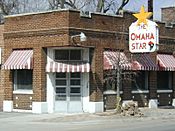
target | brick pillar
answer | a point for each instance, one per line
(153, 89)
(173, 97)
(127, 90)
(39, 75)
(7, 84)
(96, 76)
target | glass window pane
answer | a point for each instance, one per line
(163, 80)
(60, 90)
(75, 97)
(60, 75)
(75, 75)
(75, 90)
(61, 54)
(60, 97)
(60, 82)
(23, 79)
(75, 54)
(75, 82)
(139, 81)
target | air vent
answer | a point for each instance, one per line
(85, 14)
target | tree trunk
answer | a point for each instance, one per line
(100, 6)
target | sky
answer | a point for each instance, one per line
(135, 5)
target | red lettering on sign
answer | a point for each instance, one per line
(140, 36)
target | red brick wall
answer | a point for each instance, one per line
(22, 101)
(1, 71)
(51, 29)
(168, 14)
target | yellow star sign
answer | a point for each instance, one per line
(142, 16)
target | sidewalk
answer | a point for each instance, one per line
(111, 114)
(79, 117)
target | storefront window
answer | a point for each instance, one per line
(22, 79)
(140, 81)
(164, 80)
(68, 55)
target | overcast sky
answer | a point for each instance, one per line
(135, 5)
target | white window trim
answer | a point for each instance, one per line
(23, 92)
(140, 91)
(111, 92)
(164, 91)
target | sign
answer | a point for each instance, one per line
(143, 34)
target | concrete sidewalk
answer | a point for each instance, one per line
(64, 117)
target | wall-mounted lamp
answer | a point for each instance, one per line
(81, 35)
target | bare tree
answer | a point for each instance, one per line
(106, 5)
(124, 3)
(8, 6)
(74, 4)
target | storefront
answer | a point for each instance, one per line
(47, 71)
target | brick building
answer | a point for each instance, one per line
(48, 68)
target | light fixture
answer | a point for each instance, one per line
(81, 35)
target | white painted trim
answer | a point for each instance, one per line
(7, 106)
(173, 102)
(95, 107)
(20, 110)
(39, 107)
(111, 92)
(140, 91)
(153, 103)
(164, 91)
(23, 92)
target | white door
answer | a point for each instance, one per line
(68, 92)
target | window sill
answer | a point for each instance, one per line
(164, 91)
(140, 91)
(23, 92)
(111, 92)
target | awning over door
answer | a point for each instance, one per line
(19, 59)
(143, 62)
(67, 67)
(166, 62)
(113, 59)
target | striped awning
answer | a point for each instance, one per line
(19, 59)
(166, 62)
(67, 67)
(115, 59)
(143, 62)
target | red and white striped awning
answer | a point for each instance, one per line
(115, 59)
(143, 62)
(166, 62)
(67, 67)
(19, 59)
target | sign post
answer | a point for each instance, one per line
(143, 34)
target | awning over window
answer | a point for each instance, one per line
(166, 62)
(113, 59)
(67, 67)
(19, 59)
(143, 62)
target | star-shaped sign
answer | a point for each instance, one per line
(142, 16)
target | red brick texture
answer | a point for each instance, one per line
(53, 29)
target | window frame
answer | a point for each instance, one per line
(170, 82)
(146, 83)
(16, 89)
(69, 55)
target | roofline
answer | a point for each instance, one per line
(62, 10)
